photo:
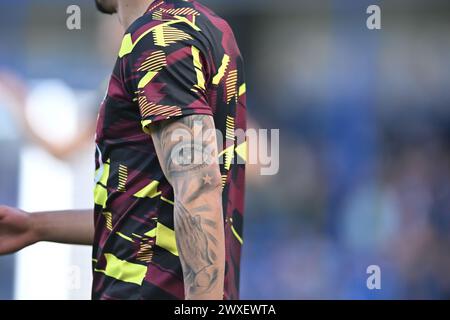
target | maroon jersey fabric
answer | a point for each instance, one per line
(178, 59)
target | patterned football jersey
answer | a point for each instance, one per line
(178, 59)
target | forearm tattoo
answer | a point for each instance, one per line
(196, 252)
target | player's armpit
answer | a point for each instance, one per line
(187, 152)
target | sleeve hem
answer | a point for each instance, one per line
(147, 121)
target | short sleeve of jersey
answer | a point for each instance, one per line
(166, 76)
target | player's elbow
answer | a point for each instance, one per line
(203, 182)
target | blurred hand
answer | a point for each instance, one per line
(16, 230)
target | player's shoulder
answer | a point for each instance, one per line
(188, 15)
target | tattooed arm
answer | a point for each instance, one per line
(187, 152)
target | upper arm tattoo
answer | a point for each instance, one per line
(185, 144)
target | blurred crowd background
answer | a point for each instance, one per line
(364, 119)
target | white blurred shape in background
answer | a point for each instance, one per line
(52, 110)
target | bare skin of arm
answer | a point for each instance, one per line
(196, 180)
(19, 229)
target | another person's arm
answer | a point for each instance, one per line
(61, 151)
(16, 89)
(19, 229)
(196, 180)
